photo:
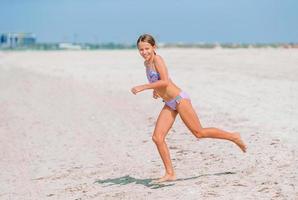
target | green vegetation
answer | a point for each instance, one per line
(111, 45)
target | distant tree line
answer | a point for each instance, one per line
(111, 45)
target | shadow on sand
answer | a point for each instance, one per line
(124, 180)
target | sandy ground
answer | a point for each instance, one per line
(71, 129)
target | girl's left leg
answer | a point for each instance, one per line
(191, 120)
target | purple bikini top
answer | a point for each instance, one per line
(152, 75)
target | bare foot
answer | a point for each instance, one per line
(238, 141)
(167, 177)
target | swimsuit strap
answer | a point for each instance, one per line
(152, 68)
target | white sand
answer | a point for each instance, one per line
(68, 121)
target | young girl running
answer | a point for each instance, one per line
(176, 102)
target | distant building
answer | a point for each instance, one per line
(16, 39)
(69, 46)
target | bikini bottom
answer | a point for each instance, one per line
(173, 103)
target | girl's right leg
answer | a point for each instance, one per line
(164, 122)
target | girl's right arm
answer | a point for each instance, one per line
(163, 82)
(155, 95)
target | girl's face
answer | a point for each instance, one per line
(146, 50)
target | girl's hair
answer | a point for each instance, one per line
(146, 38)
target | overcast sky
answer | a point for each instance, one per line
(245, 21)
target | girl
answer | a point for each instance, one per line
(176, 102)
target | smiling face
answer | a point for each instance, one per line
(146, 50)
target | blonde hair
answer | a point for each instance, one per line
(146, 38)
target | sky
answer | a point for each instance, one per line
(122, 21)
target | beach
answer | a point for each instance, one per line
(71, 129)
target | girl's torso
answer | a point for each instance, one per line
(166, 93)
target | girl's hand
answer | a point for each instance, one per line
(155, 95)
(137, 89)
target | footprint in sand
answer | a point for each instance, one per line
(275, 142)
(264, 189)
(236, 183)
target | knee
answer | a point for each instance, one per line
(157, 139)
(199, 133)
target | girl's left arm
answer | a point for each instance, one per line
(164, 79)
